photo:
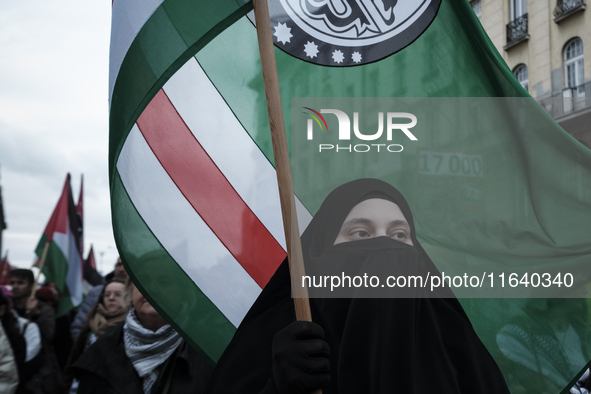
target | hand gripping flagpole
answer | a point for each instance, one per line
(279, 139)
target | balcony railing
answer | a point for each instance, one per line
(569, 101)
(565, 7)
(517, 30)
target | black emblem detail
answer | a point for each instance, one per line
(348, 32)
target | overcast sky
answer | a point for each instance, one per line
(54, 119)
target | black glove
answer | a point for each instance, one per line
(300, 358)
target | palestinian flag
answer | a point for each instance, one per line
(91, 259)
(91, 276)
(63, 263)
(5, 268)
(195, 204)
(80, 213)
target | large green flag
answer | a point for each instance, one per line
(494, 183)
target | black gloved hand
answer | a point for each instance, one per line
(300, 358)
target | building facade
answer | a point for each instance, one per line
(544, 43)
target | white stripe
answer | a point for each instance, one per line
(182, 232)
(228, 144)
(128, 17)
(61, 240)
(69, 248)
(74, 278)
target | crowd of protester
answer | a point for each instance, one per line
(114, 342)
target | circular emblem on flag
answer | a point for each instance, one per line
(348, 32)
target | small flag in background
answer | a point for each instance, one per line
(90, 273)
(63, 263)
(80, 213)
(91, 259)
(5, 270)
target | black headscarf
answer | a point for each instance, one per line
(378, 345)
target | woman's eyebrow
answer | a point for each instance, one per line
(370, 222)
(399, 223)
(358, 221)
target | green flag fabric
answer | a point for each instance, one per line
(493, 182)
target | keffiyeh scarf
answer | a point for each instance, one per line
(147, 350)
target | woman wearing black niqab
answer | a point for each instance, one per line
(376, 345)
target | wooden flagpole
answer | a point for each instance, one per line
(41, 263)
(281, 155)
(279, 139)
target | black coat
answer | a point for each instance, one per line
(105, 368)
(423, 343)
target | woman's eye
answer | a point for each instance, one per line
(361, 234)
(116, 295)
(400, 235)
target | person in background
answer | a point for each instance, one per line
(143, 354)
(15, 339)
(104, 315)
(25, 340)
(33, 309)
(92, 297)
(62, 342)
(48, 378)
(8, 370)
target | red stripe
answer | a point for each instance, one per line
(58, 222)
(208, 191)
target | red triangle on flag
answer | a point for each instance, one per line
(58, 222)
(5, 269)
(90, 258)
(80, 212)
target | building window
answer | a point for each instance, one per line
(517, 9)
(566, 8)
(477, 7)
(573, 63)
(517, 27)
(520, 73)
